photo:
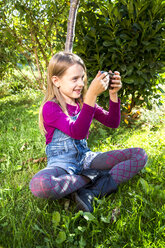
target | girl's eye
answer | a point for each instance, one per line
(75, 79)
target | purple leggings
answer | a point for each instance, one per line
(55, 182)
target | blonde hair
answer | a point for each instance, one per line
(58, 65)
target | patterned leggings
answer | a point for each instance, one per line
(55, 182)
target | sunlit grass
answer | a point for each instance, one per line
(133, 217)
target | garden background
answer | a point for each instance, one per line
(125, 35)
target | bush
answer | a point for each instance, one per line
(16, 81)
(127, 36)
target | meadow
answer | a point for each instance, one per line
(133, 217)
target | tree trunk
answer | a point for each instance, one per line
(74, 4)
(40, 78)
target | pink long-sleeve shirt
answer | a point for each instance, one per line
(54, 118)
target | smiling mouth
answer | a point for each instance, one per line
(78, 91)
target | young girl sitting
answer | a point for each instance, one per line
(65, 117)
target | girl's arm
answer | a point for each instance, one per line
(116, 85)
(100, 84)
(109, 118)
(96, 88)
(54, 117)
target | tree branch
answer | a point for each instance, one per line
(74, 4)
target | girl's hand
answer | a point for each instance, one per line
(99, 84)
(116, 83)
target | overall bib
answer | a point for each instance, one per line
(69, 154)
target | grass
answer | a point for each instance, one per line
(133, 217)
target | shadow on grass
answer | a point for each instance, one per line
(17, 109)
(99, 133)
(14, 101)
(18, 103)
(11, 108)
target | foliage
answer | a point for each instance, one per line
(127, 36)
(31, 32)
(17, 81)
(133, 217)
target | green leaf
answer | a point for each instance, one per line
(161, 229)
(145, 185)
(137, 26)
(88, 216)
(129, 80)
(129, 70)
(113, 57)
(161, 90)
(118, 42)
(61, 237)
(82, 242)
(125, 37)
(107, 43)
(134, 43)
(37, 228)
(56, 218)
(123, 67)
(105, 219)
(82, 229)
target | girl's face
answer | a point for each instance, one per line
(71, 83)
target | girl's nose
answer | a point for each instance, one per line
(80, 82)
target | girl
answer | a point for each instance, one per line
(65, 117)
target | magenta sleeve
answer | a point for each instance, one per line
(54, 117)
(109, 118)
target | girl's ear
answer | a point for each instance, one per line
(56, 81)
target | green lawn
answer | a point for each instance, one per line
(133, 217)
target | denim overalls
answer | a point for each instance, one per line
(68, 153)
